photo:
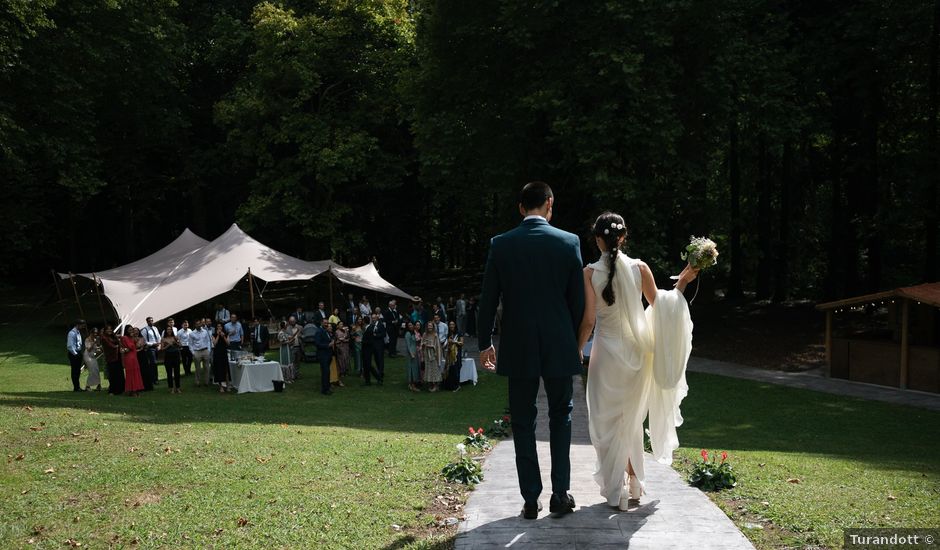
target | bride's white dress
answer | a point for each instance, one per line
(637, 367)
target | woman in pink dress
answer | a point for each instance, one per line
(133, 382)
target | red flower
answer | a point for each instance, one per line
(704, 454)
(480, 431)
(724, 456)
(505, 419)
(471, 430)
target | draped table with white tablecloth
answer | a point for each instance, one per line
(255, 377)
(468, 370)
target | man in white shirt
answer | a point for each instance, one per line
(186, 352)
(170, 326)
(235, 333)
(200, 341)
(222, 315)
(442, 336)
(461, 314)
(151, 336)
(365, 310)
(75, 345)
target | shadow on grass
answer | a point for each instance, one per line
(731, 413)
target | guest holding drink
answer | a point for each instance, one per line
(133, 381)
(220, 357)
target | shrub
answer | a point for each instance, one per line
(713, 475)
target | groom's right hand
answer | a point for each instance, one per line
(488, 358)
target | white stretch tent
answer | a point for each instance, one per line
(191, 270)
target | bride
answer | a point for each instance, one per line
(637, 364)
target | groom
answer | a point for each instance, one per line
(535, 270)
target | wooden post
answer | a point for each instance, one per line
(81, 311)
(251, 293)
(905, 343)
(828, 342)
(104, 316)
(55, 281)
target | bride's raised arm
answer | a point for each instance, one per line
(649, 283)
(590, 316)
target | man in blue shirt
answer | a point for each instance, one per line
(235, 333)
(74, 344)
(324, 342)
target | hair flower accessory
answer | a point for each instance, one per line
(619, 226)
(613, 225)
(607, 232)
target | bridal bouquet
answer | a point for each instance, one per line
(701, 253)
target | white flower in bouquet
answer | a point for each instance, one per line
(461, 449)
(701, 253)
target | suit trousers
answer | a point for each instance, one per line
(201, 357)
(324, 356)
(187, 356)
(523, 393)
(368, 351)
(76, 362)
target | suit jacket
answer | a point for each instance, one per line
(392, 322)
(374, 335)
(265, 337)
(536, 270)
(319, 316)
(322, 339)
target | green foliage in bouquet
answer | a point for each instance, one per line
(465, 470)
(701, 253)
(500, 428)
(713, 475)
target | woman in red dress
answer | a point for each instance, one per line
(133, 382)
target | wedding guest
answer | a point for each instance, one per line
(186, 352)
(352, 310)
(442, 336)
(451, 309)
(356, 340)
(284, 356)
(148, 372)
(373, 346)
(234, 333)
(365, 310)
(441, 310)
(300, 316)
(413, 368)
(259, 337)
(341, 349)
(170, 345)
(222, 315)
(393, 324)
(431, 350)
(334, 317)
(200, 341)
(91, 349)
(170, 326)
(320, 314)
(220, 346)
(419, 333)
(460, 312)
(112, 356)
(148, 369)
(454, 354)
(74, 343)
(134, 382)
(335, 380)
(324, 343)
(472, 316)
(296, 345)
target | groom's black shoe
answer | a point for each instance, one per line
(531, 511)
(561, 505)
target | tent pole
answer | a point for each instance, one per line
(251, 293)
(104, 317)
(81, 312)
(828, 342)
(55, 281)
(905, 342)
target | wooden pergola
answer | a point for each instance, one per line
(926, 294)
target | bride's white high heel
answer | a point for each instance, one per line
(636, 488)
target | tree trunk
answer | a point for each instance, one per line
(764, 227)
(734, 179)
(931, 221)
(782, 271)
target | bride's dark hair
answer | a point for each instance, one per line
(610, 227)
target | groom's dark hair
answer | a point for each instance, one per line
(534, 195)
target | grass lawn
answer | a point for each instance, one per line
(811, 464)
(290, 470)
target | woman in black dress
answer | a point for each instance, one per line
(220, 357)
(453, 357)
(170, 345)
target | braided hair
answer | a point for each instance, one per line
(610, 228)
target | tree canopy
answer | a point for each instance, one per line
(801, 136)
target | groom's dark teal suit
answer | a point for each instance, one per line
(536, 270)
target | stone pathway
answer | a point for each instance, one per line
(815, 380)
(671, 516)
